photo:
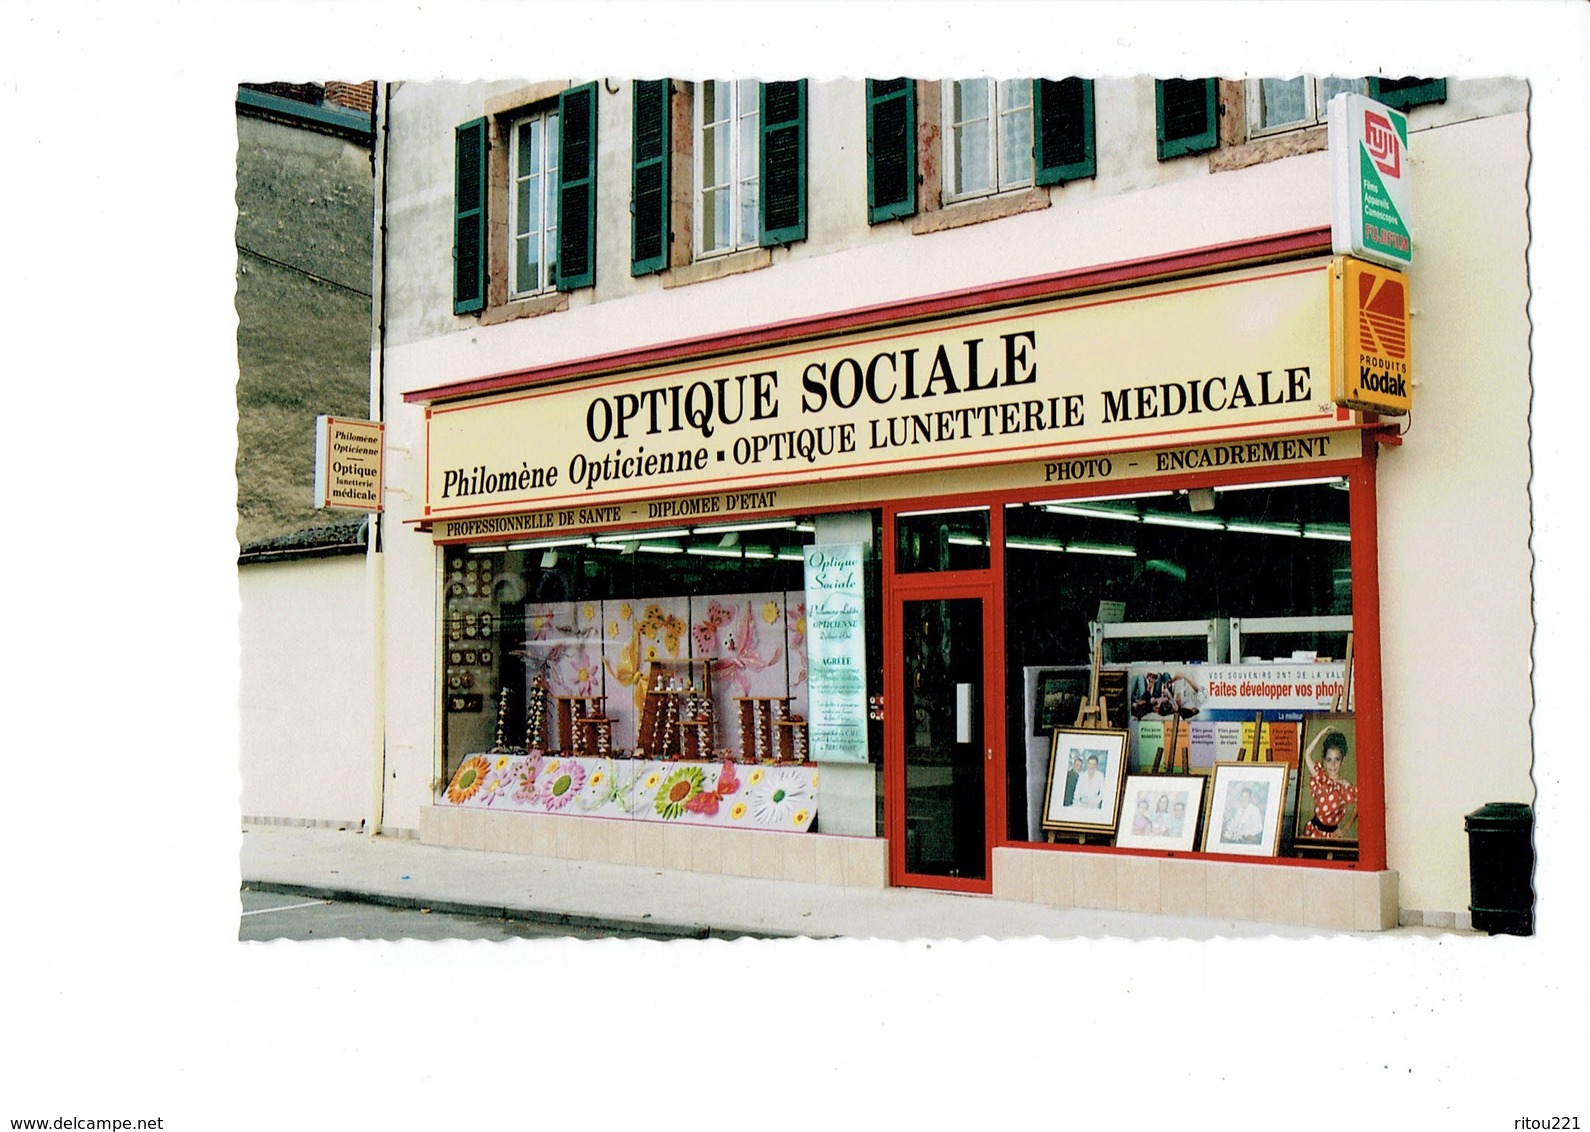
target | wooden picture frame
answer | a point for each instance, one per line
(1058, 697)
(1244, 812)
(1327, 789)
(1087, 769)
(1160, 811)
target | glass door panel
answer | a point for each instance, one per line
(944, 748)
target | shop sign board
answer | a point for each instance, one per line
(1114, 472)
(1370, 172)
(348, 463)
(836, 663)
(1239, 355)
(1371, 350)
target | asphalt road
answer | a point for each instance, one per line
(275, 915)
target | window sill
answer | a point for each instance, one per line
(734, 263)
(525, 308)
(1272, 147)
(978, 210)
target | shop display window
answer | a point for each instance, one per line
(1213, 627)
(685, 644)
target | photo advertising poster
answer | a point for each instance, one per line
(836, 670)
(1195, 715)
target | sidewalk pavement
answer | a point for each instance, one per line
(333, 864)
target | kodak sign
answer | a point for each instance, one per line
(1371, 355)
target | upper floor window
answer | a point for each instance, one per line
(728, 151)
(533, 204)
(988, 125)
(1278, 105)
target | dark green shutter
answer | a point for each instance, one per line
(648, 185)
(891, 149)
(469, 217)
(1187, 117)
(1062, 136)
(1406, 93)
(577, 187)
(783, 162)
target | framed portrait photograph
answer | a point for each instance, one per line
(1244, 814)
(1086, 772)
(1160, 811)
(1058, 699)
(1327, 792)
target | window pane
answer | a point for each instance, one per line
(524, 264)
(714, 219)
(1015, 134)
(971, 159)
(711, 158)
(956, 539)
(1330, 88)
(1281, 102)
(750, 229)
(971, 99)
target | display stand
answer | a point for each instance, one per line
(577, 716)
(676, 721)
(768, 732)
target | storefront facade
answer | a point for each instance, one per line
(1023, 551)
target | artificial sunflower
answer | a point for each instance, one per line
(678, 789)
(467, 780)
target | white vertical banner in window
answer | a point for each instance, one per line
(836, 654)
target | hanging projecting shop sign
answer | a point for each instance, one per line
(1244, 354)
(348, 463)
(1371, 354)
(1370, 174)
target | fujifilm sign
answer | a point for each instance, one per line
(1369, 181)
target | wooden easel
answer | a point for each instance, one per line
(1258, 740)
(1340, 701)
(1092, 715)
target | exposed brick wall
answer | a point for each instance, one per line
(355, 96)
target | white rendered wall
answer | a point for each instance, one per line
(307, 701)
(1454, 513)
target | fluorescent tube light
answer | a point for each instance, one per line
(1102, 498)
(659, 548)
(636, 536)
(939, 511)
(1334, 534)
(1093, 512)
(1159, 520)
(713, 552)
(768, 525)
(1333, 480)
(548, 543)
(1090, 548)
(1262, 528)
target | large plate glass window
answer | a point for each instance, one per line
(1221, 621)
(727, 178)
(533, 204)
(560, 645)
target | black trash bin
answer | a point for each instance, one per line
(1501, 868)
